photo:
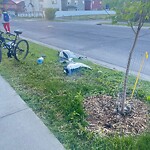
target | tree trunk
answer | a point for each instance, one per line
(127, 71)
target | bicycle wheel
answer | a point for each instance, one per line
(21, 50)
(0, 54)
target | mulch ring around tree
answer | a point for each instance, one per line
(104, 120)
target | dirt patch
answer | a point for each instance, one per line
(102, 117)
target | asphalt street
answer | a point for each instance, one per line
(106, 44)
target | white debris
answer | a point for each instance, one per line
(66, 55)
(74, 66)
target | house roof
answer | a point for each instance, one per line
(17, 1)
(7, 1)
(14, 1)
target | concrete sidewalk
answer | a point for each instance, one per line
(20, 128)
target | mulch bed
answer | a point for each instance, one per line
(103, 120)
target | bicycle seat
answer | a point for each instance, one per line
(18, 32)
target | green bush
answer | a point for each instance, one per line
(50, 13)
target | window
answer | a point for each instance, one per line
(76, 2)
(69, 1)
(54, 1)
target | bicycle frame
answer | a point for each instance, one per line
(8, 45)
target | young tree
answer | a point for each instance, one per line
(136, 13)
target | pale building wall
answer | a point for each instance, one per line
(32, 5)
(40, 5)
(52, 4)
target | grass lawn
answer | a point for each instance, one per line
(86, 17)
(57, 99)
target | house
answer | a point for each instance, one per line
(88, 5)
(36, 8)
(20, 6)
(93, 4)
(52, 4)
(72, 5)
(40, 5)
(96, 4)
(64, 5)
(9, 5)
(13, 6)
(31, 5)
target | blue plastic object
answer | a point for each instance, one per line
(40, 60)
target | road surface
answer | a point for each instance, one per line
(105, 44)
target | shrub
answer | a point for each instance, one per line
(50, 13)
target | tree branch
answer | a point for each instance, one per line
(131, 25)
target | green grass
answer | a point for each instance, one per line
(85, 17)
(57, 99)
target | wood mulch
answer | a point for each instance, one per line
(104, 120)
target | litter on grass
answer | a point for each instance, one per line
(74, 66)
(66, 56)
(40, 60)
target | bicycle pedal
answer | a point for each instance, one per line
(9, 55)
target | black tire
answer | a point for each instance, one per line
(21, 50)
(0, 54)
